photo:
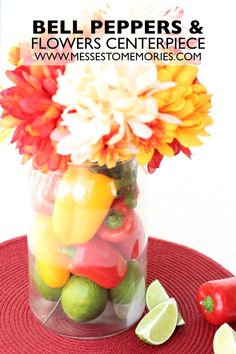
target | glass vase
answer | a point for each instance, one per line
(87, 249)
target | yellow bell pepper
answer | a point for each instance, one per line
(82, 201)
(43, 242)
(52, 275)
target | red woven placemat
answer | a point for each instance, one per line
(180, 269)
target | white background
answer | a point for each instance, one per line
(190, 202)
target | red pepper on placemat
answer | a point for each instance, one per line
(216, 300)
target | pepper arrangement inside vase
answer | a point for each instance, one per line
(87, 249)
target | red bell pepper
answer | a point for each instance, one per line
(132, 247)
(119, 224)
(98, 261)
(217, 300)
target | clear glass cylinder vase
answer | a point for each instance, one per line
(87, 249)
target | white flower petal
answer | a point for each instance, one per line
(146, 118)
(85, 101)
(117, 137)
(151, 106)
(169, 118)
(146, 79)
(166, 85)
(102, 90)
(160, 86)
(79, 158)
(123, 103)
(141, 130)
(65, 146)
(110, 76)
(118, 117)
(56, 135)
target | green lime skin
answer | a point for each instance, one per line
(133, 283)
(82, 299)
(48, 293)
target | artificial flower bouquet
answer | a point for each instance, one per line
(104, 113)
(86, 126)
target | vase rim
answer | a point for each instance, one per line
(83, 165)
(95, 164)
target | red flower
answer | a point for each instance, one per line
(158, 157)
(155, 162)
(28, 107)
(177, 148)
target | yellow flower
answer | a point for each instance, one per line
(188, 101)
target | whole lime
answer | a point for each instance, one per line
(48, 293)
(82, 299)
(132, 285)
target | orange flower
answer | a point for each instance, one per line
(109, 155)
(28, 107)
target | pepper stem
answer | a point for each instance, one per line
(207, 303)
(69, 251)
(114, 220)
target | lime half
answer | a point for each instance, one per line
(156, 294)
(159, 324)
(225, 340)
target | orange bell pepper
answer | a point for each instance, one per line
(82, 202)
(52, 275)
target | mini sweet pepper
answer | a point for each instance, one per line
(97, 260)
(119, 223)
(82, 201)
(217, 300)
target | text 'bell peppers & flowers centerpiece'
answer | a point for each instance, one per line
(86, 126)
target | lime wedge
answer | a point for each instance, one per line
(159, 324)
(156, 294)
(180, 320)
(225, 340)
